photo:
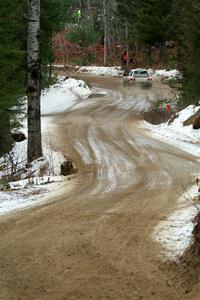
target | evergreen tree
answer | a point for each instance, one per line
(188, 37)
(12, 68)
(149, 21)
(54, 15)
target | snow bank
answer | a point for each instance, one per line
(175, 233)
(52, 158)
(184, 137)
(55, 99)
(27, 194)
(162, 74)
(101, 71)
(63, 95)
(118, 71)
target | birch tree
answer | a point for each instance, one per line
(34, 150)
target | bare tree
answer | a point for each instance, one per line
(33, 85)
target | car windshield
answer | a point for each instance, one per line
(141, 73)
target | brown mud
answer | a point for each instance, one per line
(94, 242)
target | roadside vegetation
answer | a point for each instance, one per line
(104, 38)
(98, 28)
(154, 33)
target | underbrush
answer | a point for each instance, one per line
(4, 184)
(174, 83)
(159, 112)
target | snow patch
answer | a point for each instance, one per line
(28, 192)
(184, 137)
(162, 74)
(102, 71)
(175, 233)
(118, 71)
(61, 96)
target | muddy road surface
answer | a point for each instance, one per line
(94, 242)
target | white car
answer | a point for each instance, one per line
(140, 76)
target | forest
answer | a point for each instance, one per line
(139, 26)
(99, 149)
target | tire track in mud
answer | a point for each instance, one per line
(118, 147)
(104, 133)
(94, 242)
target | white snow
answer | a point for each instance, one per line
(25, 193)
(83, 150)
(184, 137)
(118, 71)
(161, 74)
(113, 171)
(28, 192)
(102, 71)
(175, 233)
(58, 65)
(61, 96)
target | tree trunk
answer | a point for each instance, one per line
(127, 41)
(105, 33)
(149, 56)
(89, 12)
(34, 150)
(51, 59)
(5, 133)
(62, 51)
(163, 53)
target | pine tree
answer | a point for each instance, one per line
(149, 21)
(188, 36)
(12, 68)
(54, 14)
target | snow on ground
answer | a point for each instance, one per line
(118, 71)
(25, 193)
(59, 97)
(101, 71)
(175, 233)
(184, 137)
(161, 74)
(28, 192)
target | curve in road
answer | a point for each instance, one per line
(94, 242)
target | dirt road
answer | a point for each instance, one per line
(94, 242)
